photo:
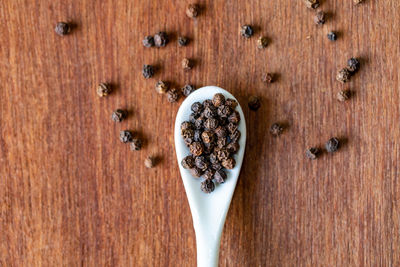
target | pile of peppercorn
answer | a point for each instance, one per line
(212, 136)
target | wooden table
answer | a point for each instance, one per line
(72, 195)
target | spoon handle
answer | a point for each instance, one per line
(207, 248)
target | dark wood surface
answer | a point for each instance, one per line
(72, 195)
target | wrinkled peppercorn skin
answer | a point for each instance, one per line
(207, 186)
(332, 145)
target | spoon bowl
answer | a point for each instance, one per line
(208, 210)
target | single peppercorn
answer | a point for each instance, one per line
(209, 174)
(103, 89)
(207, 103)
(62, 28)
(231, 103)
(201, 163)
(197, 107)
(343, 95)
(196, 172)
(319, 18)
(276, 129)
(234, 117)
(246, 31)
(147, 71)
(235, 136)
(186, 125)
(222, 154)
(182, 41)
(218, 100)
(161, 39)
(267, 78)
(148, 41)
(125, 136)
(187, 64)
(173, 95)
(187, 133)
(220, 176)
(198, 124)
(343, 75)
(150, 162)
(332, 145)
(208, 148)
(211, 124)
(207, 137)
(229, 163)
(216, 166)
(119, 115)
(220, 132)
(232, 127)
(353, 64)
(136, 144)
(161, 87)
(312, 3)
(196, 148)
(210, 112)
(262, 42)
(254, 103)
(207, 186)
(188, 162)
(224, 111)
(192, 11)
(332, 36)
(312, 153)
(233, 147)
(187, 89)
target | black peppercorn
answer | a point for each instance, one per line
(196, 172)
(187, 64)
(210, 112)
(201, 163)
(197, 107)
(172, 95)
(197, 136)
(161, 39)
(276, 129)
(332, 145)
(148, 41)
(182, 41)
(192, 11)
(218, 100)
(161, 87)
(196, 148)
(319, 18)
(233, 147)
(229, 163)
(198, 124)
(343, 95)
(208, 103)
(187, 89)
(332, 36)
(312, 153)
(209, 174)
(207, 137)
(62, 28)
(343, 75)
(232, 127)
(353, 65)
(312, 3)
(254, 103)
(103, 89)
(222, 154)
(246, 31)
(216, 166)
(211, 124)
(220, 132)
(147, 71)
(187, 162)
(234, 117)
(220, 176)
(186, 125)
(262, 42)
(224, 111)
(231, 103)
(136, 144)
(222, 142)
(125, 136)
(118, 115)
(267, 78)
(235, 136)
(207, 186)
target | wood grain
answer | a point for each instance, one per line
(72, 195)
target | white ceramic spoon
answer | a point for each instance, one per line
(208, 210)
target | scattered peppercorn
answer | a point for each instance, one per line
(312, 3)
(182, 41)
(119, 115)
(148, 41)
(62, 28)
(161, 87)
(246, 31)
(136, 144)
(353, 64)
(207, 186)
(148, 71)
(187, 89)
(319, 18)
(267, 78)
(149, 162)
(187, 64)
(276, 129)
(262, 42)
(173, 95)
(312, 153)
(192, 11)
(332, 145)
(343, 95)
(343, 75)
(254, 103)
(160, 39)
(103, 89)
(332, 36)
(125, 136)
